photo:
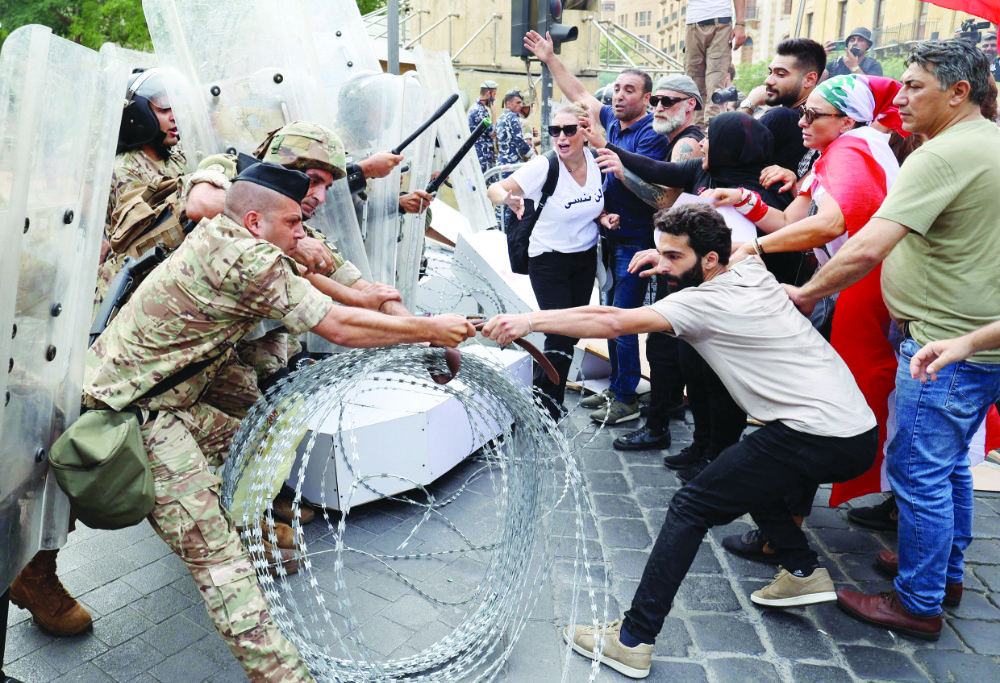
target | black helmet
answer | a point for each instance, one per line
(140, 126)
(862, 33)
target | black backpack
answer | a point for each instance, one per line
(519, 231)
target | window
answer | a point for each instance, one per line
(788, 7)
(809, 25)
(922, 21)
(879, 15)
(842, 21)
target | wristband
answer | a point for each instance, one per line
(531, 329)
(751, 206)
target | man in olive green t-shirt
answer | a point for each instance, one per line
(938, 232)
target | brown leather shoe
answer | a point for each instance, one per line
(287, 559)
(888, 562)
(886, 611)
(283, 506)
(38, 590)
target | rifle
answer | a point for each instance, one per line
(132, 272)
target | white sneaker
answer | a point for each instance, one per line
(788, 590)
(634, 662)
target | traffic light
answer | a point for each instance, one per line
(549, 23)
(523, 17)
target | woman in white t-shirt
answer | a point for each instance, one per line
(563, 247)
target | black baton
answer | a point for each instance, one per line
(436, 183)
(438, 114)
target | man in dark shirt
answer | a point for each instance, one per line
(630, 126)
(855, 59)
(675, 101)
(792, 75)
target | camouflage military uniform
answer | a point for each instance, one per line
(198, 304)
(133, 169)
(300, 145)
(484, 145)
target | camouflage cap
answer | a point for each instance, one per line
(303, 145)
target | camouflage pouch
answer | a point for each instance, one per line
(146, 216)
(100, 462)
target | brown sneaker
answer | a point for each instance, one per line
(634, 662)
(284, 507)
(886, 611)
(38, 590)
(789, 590)
(888, 561)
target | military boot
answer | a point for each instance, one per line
(38, 590)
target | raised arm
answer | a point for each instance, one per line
(570, 85)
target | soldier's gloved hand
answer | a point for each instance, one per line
(380, 164)
(314, 255)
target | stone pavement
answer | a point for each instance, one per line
(150, 624)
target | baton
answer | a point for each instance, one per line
(438, 114)
(436, 183)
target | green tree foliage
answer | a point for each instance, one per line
(750, 75)
(95, 22)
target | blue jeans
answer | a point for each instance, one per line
(627, 291)
(928, 468)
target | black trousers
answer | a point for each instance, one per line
(718, 420)
(754, 475)
(666, 385)
(560, 281)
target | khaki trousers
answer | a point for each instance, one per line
(706, 59)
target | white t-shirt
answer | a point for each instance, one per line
(699, 10)
(767, 354)
(568, 223)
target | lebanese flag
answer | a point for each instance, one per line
(984, 9)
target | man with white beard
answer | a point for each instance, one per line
(674, 101)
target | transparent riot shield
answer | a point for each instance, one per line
(370, 118)
(233, 77)
(60, 108)
(342, 41)
(437, 73)
(421, 103)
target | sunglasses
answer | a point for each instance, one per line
(667, 102)
(569, 130)
(811, 115)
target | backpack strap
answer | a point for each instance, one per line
(551, 178)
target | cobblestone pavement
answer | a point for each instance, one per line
(150, 624)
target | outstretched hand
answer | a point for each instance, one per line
(642, 259)
(504, 329)
(538, 46)
(449, 330)
(774, 174)
(609, 162)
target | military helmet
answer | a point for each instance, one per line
(303, 145)
(139, 126)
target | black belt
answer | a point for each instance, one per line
(713, 22)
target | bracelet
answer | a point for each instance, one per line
(757, 247)
(531, 329)
(740, 23)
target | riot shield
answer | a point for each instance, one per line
(420, 105)
(437, 73)
(60, 108)
(233, 77)
(369, 116)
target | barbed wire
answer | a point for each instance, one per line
(523, 456)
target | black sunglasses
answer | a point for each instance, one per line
(811, 115)
(665, 100)
(569, 130)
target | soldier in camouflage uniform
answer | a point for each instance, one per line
(230, 272)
